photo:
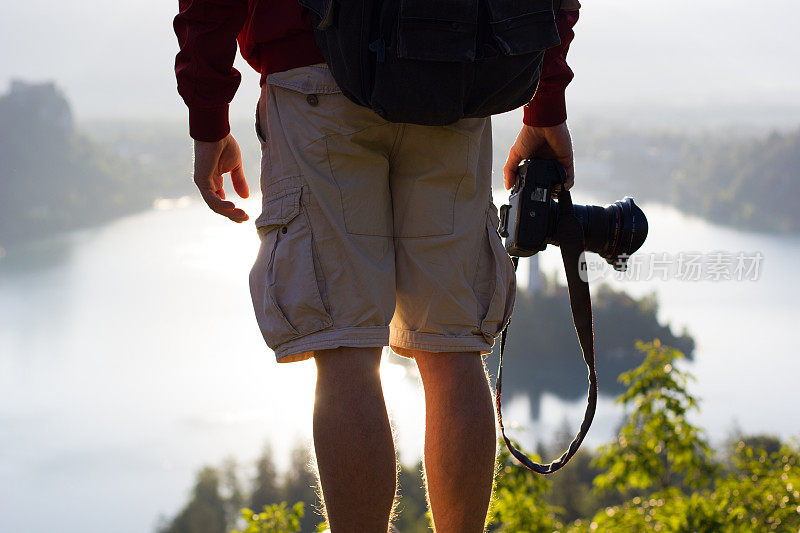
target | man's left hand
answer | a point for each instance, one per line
(212, 160)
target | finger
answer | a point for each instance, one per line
(218, 186)
(223, 207)
(569, 166)
(215, 202)
(211, 190)
(240, 182)
(238, 216)
(510, 168)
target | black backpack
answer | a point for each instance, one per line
(433, 62)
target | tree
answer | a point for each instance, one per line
(519, 499)
(665, 463)
(300, 485)
(233, 495)
(761, 495)
(657, 447)
(571, 487)
(205, 512)
(265, 489)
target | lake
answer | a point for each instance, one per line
(130, 357)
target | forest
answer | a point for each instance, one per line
(745, 183)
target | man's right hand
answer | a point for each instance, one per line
(211, 161)
(552, 142)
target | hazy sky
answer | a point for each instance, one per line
(115, 59)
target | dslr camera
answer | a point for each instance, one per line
(530, 220)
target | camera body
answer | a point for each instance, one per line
(530, 219)
(525, 222)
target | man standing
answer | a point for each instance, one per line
(373, 233)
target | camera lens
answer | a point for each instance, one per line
(614, 232)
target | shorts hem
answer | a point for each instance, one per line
(402, 342)
(326, 339)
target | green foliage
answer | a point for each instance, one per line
(657, 447)
(276, 518)
(519, 499)
(764, 490)
(218, 497)
(571, 487)
(659, 474)
(761, 495)
(296, 485)
(667, 464)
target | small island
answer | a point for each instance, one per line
(542, 350)
(56, 179)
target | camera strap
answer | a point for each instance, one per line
(570, 237)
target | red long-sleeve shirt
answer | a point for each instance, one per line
(276, 35)
(548, 106)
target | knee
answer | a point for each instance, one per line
(349, 364)
(443, 364)
(446, 372)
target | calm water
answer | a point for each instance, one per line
(129, 357)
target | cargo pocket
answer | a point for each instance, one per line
(285, 283)
(258, 125)
(495, 281)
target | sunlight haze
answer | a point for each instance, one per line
(660, 53)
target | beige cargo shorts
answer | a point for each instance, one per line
(373, 233)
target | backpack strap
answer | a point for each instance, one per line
(570, 236)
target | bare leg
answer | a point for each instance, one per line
(460, 440)
(353, 441)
